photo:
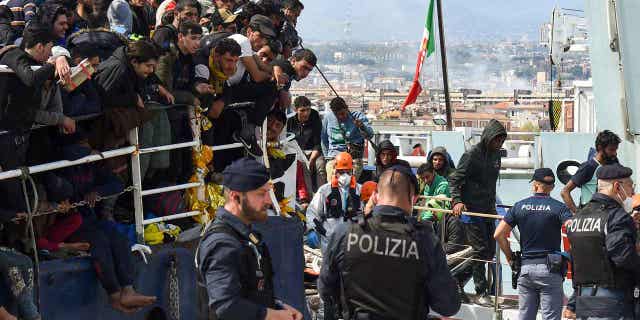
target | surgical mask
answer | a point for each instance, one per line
(627, 203)
(344, 180)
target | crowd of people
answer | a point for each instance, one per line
(84, 73)
(602, 231)
(121, 64)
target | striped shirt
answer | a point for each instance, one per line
(23, 11)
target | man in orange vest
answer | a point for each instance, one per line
(335, 202)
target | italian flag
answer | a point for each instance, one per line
(427, 47)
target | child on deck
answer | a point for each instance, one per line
(109, 249)
(67, 221)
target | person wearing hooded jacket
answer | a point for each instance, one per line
(387, 156)
(473, 188)
(441, 161)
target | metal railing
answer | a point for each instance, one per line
(135, 151)
(498, 261)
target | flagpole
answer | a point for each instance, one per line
(445, 75)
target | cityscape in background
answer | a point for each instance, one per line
(509, 80)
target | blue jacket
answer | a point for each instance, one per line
(332, 139)
(219, 263)
(440, 289)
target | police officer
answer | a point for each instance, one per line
(335, 202)
(539, 219)
(233, 261)
(603, 246)
(388, 266)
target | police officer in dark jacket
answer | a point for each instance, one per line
(539, 219)
(473, 188)
(603, 238)
(233, 261)
(404, 257)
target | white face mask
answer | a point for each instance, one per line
(627, 202)
(344, 180)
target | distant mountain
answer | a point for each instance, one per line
(382, 20)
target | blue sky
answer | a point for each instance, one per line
(380, 20)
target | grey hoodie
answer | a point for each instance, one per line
(448, 168)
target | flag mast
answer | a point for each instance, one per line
(445, 73)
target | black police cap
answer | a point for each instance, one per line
(613, 172)
(544, 175)
(245, 174)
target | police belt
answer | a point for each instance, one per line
(530, 261)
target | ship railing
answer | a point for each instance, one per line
(134, 150)
(497, 262)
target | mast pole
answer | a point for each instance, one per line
(445, 75)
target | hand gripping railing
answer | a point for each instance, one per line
(498, 264)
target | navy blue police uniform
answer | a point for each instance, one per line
(541, 269)
(606, 265)
(387, 266)
(233, 262)
(539, 219)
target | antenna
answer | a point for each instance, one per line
(348, 21)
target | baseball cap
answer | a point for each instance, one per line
(264, 24)
(227, 16)
(544, 175)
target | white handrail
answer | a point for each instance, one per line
(171, 188)
(66, 163)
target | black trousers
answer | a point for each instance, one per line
(480, 238)
(13, 154)
(110, 253)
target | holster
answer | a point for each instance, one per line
(557, 263)
(516, 268)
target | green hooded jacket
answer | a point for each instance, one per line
(439, 186)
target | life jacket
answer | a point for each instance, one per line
(374, 247)
(256, 271)
(591, 263)
(333, 203)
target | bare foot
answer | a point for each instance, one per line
(75, 246)
(131, 299)
(114, 300)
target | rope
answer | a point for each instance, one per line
(29, 232)
(443, 198)
(472, 214)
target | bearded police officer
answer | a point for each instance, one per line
(233, 261)
(539, 219)
(603, 246)
(388, 266)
